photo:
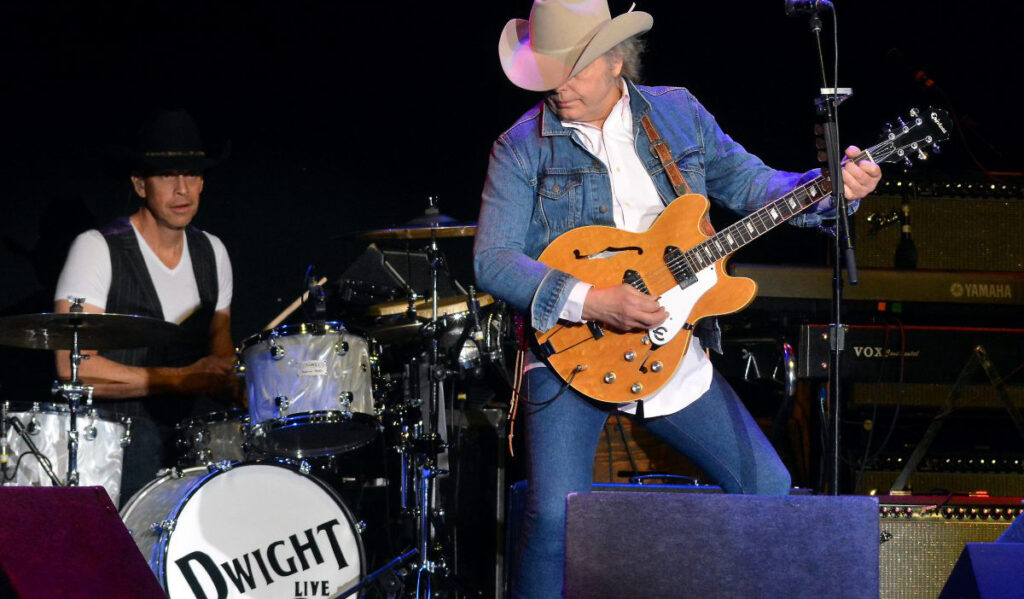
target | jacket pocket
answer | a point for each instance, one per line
(559, 198)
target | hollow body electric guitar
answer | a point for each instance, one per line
(685, 269)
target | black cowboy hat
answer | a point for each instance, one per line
(170, 142)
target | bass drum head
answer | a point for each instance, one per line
(260, 530)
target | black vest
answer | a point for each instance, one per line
(132, 292)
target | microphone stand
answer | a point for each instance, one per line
(826, 106)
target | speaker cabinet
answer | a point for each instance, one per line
(950, 233)
(722, 546)
(58, 542)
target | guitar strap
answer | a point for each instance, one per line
(661, 151)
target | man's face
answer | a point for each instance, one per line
(172, 198)
(590, 95)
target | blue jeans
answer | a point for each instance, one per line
(716, 433)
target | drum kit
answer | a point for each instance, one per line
(245, 511)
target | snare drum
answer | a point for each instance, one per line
(252, 530)
(102, 438)
(310, 390)
(215, 437)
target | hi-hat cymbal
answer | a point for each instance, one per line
(424, 307)
(95, 331)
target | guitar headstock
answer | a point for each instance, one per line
(914, 137)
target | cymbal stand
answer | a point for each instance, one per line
(420, 451)
(73, 391)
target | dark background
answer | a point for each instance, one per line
(345, 116)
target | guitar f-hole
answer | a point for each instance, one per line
(607, 252)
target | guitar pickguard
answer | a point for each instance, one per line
(679, 303)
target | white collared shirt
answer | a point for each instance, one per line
(636, 205)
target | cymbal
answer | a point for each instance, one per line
(95, 331)
(424, 307)
(430, 223)
(420, 232)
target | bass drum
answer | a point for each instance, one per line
(246, 530)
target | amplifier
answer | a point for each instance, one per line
(909, 354)
(922, 537)
(1004, 484)
(949, 233)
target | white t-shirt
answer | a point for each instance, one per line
(87, 273)
(637, 204)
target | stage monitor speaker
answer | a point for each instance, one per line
(1014, 534)
(59, 542)
(722, 546)
(987, 571)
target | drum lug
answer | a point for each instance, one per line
(281, 402)
(276, 351)
(126, 438)
(341, 348)
(360, 527)
(305, 467)
(90, 432)
(163, 527)
(221, 466)
(345, 399)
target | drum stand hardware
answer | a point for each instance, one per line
(73, 391)
(420, 451)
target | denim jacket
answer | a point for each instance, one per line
(541, 182)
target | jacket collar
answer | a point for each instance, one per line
(550, 125)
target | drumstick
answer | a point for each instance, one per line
(292, 307)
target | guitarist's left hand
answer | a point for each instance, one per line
(859, 179)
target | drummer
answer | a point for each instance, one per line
(153, 263)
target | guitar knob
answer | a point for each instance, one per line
(609, 378)
(629, 356)
(656, 367)
(636, 388)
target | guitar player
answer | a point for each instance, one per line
(583, 156)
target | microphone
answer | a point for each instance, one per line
(803, 7)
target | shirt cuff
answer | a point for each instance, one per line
(572, 311)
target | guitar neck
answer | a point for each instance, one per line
(759, 222)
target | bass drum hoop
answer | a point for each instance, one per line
(161, 545)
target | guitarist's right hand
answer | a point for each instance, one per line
(623, 307)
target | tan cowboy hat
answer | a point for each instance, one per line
(561, 38)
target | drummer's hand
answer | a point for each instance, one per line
(623, 307)
(212, 375)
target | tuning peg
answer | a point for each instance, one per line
(922, 155)
(914, 112)
(908, 162)
(887, 128)
(903, 124)
(936, 149)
